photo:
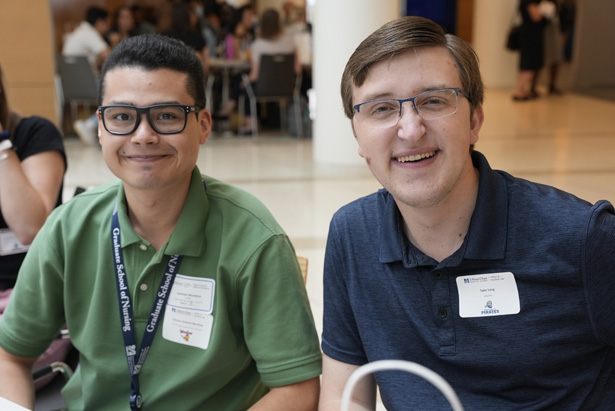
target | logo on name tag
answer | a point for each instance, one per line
(489, 309)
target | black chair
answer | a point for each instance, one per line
(277, 81)
(78, 84)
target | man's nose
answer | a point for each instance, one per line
(145, 133)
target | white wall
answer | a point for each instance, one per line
(492, 19)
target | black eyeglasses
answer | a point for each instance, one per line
(163, 118)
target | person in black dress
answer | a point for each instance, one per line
(531, 48)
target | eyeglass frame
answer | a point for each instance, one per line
(457, 90)
(146, 110)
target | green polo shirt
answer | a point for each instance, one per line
(263, 333)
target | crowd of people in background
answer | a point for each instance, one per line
(213, 28)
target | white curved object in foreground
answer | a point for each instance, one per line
(408, 366)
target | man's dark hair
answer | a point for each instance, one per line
(153, 52)
(94, 14)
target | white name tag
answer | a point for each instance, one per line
(486, 295)
(9, 243)
(187, 318)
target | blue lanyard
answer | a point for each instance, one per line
(123, 295)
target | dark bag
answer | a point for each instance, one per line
(512, 41)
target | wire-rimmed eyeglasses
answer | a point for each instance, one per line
(429, 105)
(163, 118)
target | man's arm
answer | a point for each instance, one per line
(335, 374)
(16, 379)
(294, 397)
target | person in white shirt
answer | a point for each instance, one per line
(88, 39)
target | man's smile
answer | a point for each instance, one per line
(416, 157)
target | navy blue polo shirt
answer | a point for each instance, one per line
(385, 299)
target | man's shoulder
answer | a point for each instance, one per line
(237, 203)
(366, 205)
(91, 202)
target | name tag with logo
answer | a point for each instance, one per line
(487, 295)
(188, 316)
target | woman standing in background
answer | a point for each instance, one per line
(531, 48)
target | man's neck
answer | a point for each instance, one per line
(154, 213)
(440, 230)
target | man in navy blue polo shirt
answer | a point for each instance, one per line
(502, 286)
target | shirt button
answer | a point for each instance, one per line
(143, 287)
(442, 313)
(143, 247)
(437, 275)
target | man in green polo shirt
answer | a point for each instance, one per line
(179, 291)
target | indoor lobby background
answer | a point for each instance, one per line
(567, 141)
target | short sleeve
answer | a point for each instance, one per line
(340, 338)
(599, 270)
(278, 324)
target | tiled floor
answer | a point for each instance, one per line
(567, 141)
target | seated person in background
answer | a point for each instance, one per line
(88, 39)
(238, 333)
(244, 17)
(185, 26)
(32, 167)
(212, 27)
(142, 25)
(271, 40)
(123, 25)
(237, 42)
(502, 286)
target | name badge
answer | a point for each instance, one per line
(188, 317)
(487, 295)
(9, 243)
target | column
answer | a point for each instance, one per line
(338, 28)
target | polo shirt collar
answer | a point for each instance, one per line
(486, 238)
(188, 237)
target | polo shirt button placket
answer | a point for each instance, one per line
(442, 313)
(143, 247)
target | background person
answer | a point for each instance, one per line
(185, 27)
(271, 40)
(495, 283)
(106, 261)
(32, 167)
(88, 39)
(531, 49)
(123, 25)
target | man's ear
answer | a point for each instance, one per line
(476, 122)
(205, 125)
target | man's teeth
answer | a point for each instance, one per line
(416, 157)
